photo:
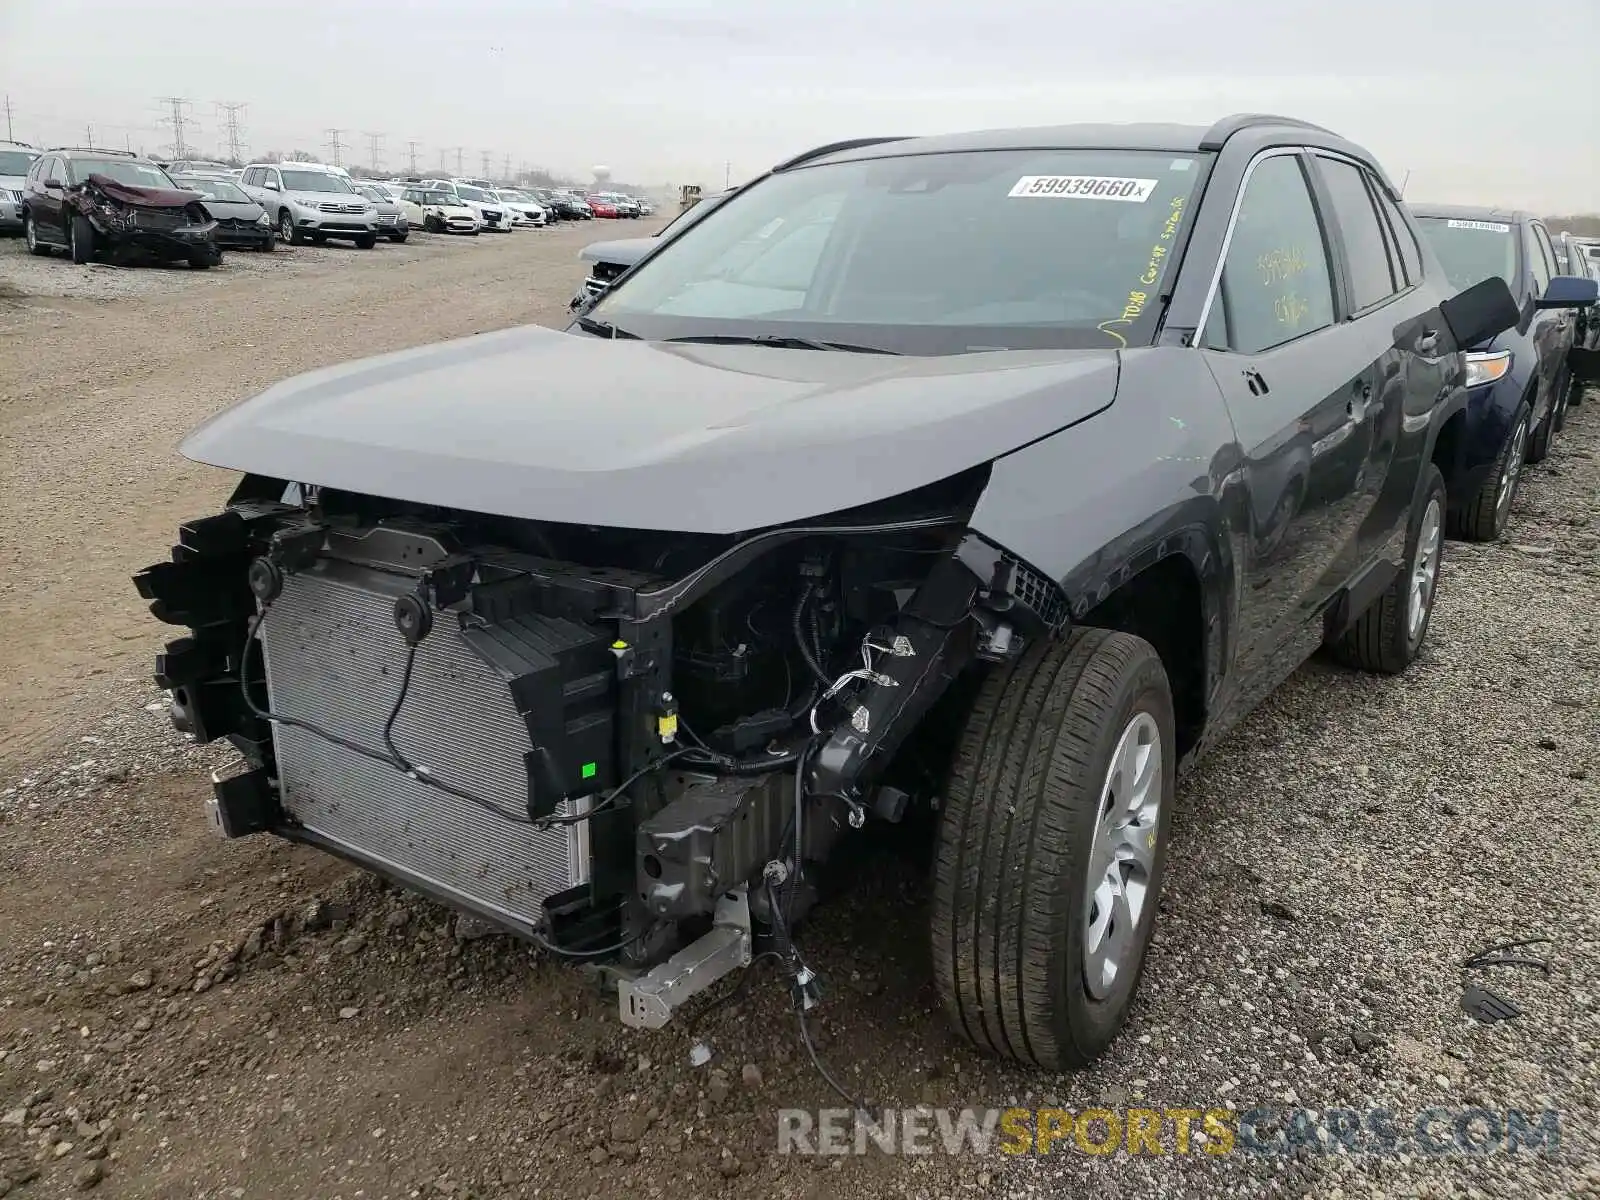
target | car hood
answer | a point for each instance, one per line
(232, 210)
(12, 182)
(623, 252)
(538, 424)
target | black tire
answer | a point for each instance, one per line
(1484, 516)
(30, 234)
(319, 239)
(288, 231)
(1564, 392)
(1383, 639)
(367, 241)
(431, 224)
(1012, 868)
(80, 239)
(202, 260)
(399, 239)
(1539, 440)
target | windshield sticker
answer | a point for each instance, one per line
(1084, 187)
(1181, 164)
(1486, 226)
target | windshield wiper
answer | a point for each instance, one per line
(604, 328)
(781, 341)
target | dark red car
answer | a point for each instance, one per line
(601, 206)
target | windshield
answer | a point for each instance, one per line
(314, 181)
(16, 162)
(128, 172)
(472, 193)
(216, 189)
(927, 254)
(1471, 251)
(440, 198)
(372, 193)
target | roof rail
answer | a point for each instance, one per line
(1228, 126)
(15, 142)
(834, 148)
(92, 150)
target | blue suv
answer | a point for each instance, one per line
(1519, 382)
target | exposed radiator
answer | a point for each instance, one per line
(333, 657)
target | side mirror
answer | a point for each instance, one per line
(1569, 291)
(54, 183)
(1480, 313)
(270, 186)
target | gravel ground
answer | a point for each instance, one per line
(185, 1017)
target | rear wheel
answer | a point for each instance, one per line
(201, 260)
(80, 239)
(1051, 847)
(1559, 417)
(30, 234)
(1483, 518)
(1386, 638)
(1540, 438)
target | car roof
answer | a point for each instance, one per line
(1472, 212)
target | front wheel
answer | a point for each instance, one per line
(367, 241)
(288, 231)
(1483, 518)
(202, 260)
(1387, 637)
(1051, 848)
(80, 240)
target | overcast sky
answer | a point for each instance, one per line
(1479, 101)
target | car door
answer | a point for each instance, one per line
(1396, 326)
(49, 201)
(1551, 328)
(1292, 372)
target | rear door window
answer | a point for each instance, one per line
(1276, 284)
(1372, 277)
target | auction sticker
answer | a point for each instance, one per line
(1486, 226)
(1084, 187)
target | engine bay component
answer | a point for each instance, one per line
(648, 1001)
(712, 838)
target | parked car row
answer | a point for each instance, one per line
(97, 203)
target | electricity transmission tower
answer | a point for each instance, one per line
(375, 150)
(179, 120)
(336, 146)
(231, 112)
(459, 152)
(486, 155)
(411, 148)
(505, 169)
(9, 136)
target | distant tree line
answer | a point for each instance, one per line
(1580, 226)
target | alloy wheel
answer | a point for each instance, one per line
(1511, 472)
(1424, 569)
(286, 227)
(1122, 855)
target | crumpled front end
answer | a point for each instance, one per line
(165, 230)
(601, 739)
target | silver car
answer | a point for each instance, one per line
(392, 222)
(15, 159)
(309, 202)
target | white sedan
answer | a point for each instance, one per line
(526, 212)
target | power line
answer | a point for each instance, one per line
(375, 150)
(336, 146)
(177, 121)
(411, 148)
(231, 112)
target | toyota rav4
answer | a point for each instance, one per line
(991, 477)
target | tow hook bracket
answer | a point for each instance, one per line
(242, 801)
(648, 1001)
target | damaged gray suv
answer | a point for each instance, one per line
(985, 480)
